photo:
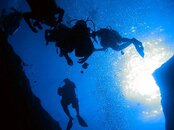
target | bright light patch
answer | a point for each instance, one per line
(137, 82)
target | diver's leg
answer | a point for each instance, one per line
(126, 42)
(130, 41)
(81, 121)
(136, 42)
(138, 45)
(75, 105)
(65, 108)
(68, 59)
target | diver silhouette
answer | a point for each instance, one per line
(83, 45)
(61, 35)
(43, 12)
(76, 38)
(111, 38)
(10, 22)
(67, 92)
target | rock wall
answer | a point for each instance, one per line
(21, 110)
(164, 77)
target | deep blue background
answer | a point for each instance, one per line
(102, 103)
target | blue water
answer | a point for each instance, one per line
(102, 101)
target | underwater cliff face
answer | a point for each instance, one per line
(21, 109)
(164, 77)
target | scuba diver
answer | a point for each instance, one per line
(83, 45)
(43, 12)
(61, 35)
(67, 92)
(10, 22)
(76, 38)
(111, 38)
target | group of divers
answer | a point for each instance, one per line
(78, 38)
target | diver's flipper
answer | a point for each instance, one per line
(82, 121)
(140, 50)
(139, 47)
(70, 124)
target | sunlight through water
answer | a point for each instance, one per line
(137, 82)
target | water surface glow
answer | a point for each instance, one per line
(137, 81)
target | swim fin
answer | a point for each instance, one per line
(140, 50)
(139, 47)
(81, 121)
(70, 124)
